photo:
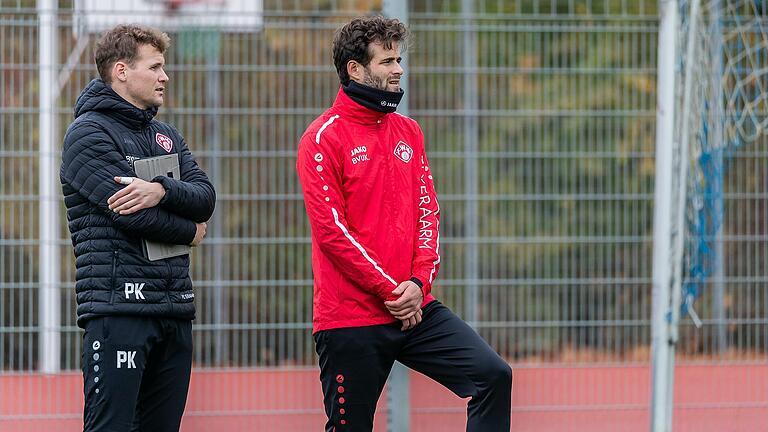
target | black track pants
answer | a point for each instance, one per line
(136, 373)
(355, 363)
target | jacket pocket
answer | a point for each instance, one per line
(113, 277)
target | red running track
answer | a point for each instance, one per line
(708, 398)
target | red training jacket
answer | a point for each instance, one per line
(373, 211)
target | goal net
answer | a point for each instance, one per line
(721, 105)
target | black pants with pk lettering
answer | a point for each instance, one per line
(136, 373)
(355, 363)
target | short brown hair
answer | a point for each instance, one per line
(351, 41)
(122, 43)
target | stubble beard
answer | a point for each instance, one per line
(371, 81)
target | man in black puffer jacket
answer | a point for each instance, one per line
(137, 314)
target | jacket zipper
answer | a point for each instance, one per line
(112, 279)
(148, 134)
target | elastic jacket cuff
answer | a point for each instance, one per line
(164, 181)
(418, 282)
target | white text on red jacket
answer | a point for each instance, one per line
(359, 154)
(426, 234)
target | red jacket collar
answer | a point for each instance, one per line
(355, 112)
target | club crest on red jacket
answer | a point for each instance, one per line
(403, 151)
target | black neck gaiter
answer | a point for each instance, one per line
(372, 98)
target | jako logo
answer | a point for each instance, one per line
(403, 151)
(388, 104)
(359, 154)
(135, 289)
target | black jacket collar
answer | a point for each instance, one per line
(98, 96)
(372, 98)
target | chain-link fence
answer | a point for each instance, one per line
(539, 120)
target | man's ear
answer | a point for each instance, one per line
(355, 70)
(119, 71)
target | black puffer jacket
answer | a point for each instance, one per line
(113, 277)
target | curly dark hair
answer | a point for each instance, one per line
(351, 41)
(122, 43)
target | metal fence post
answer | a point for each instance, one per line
(471, 138)
(398, 394)
(213, 120)
(49, 260)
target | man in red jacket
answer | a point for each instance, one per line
(374, 214)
